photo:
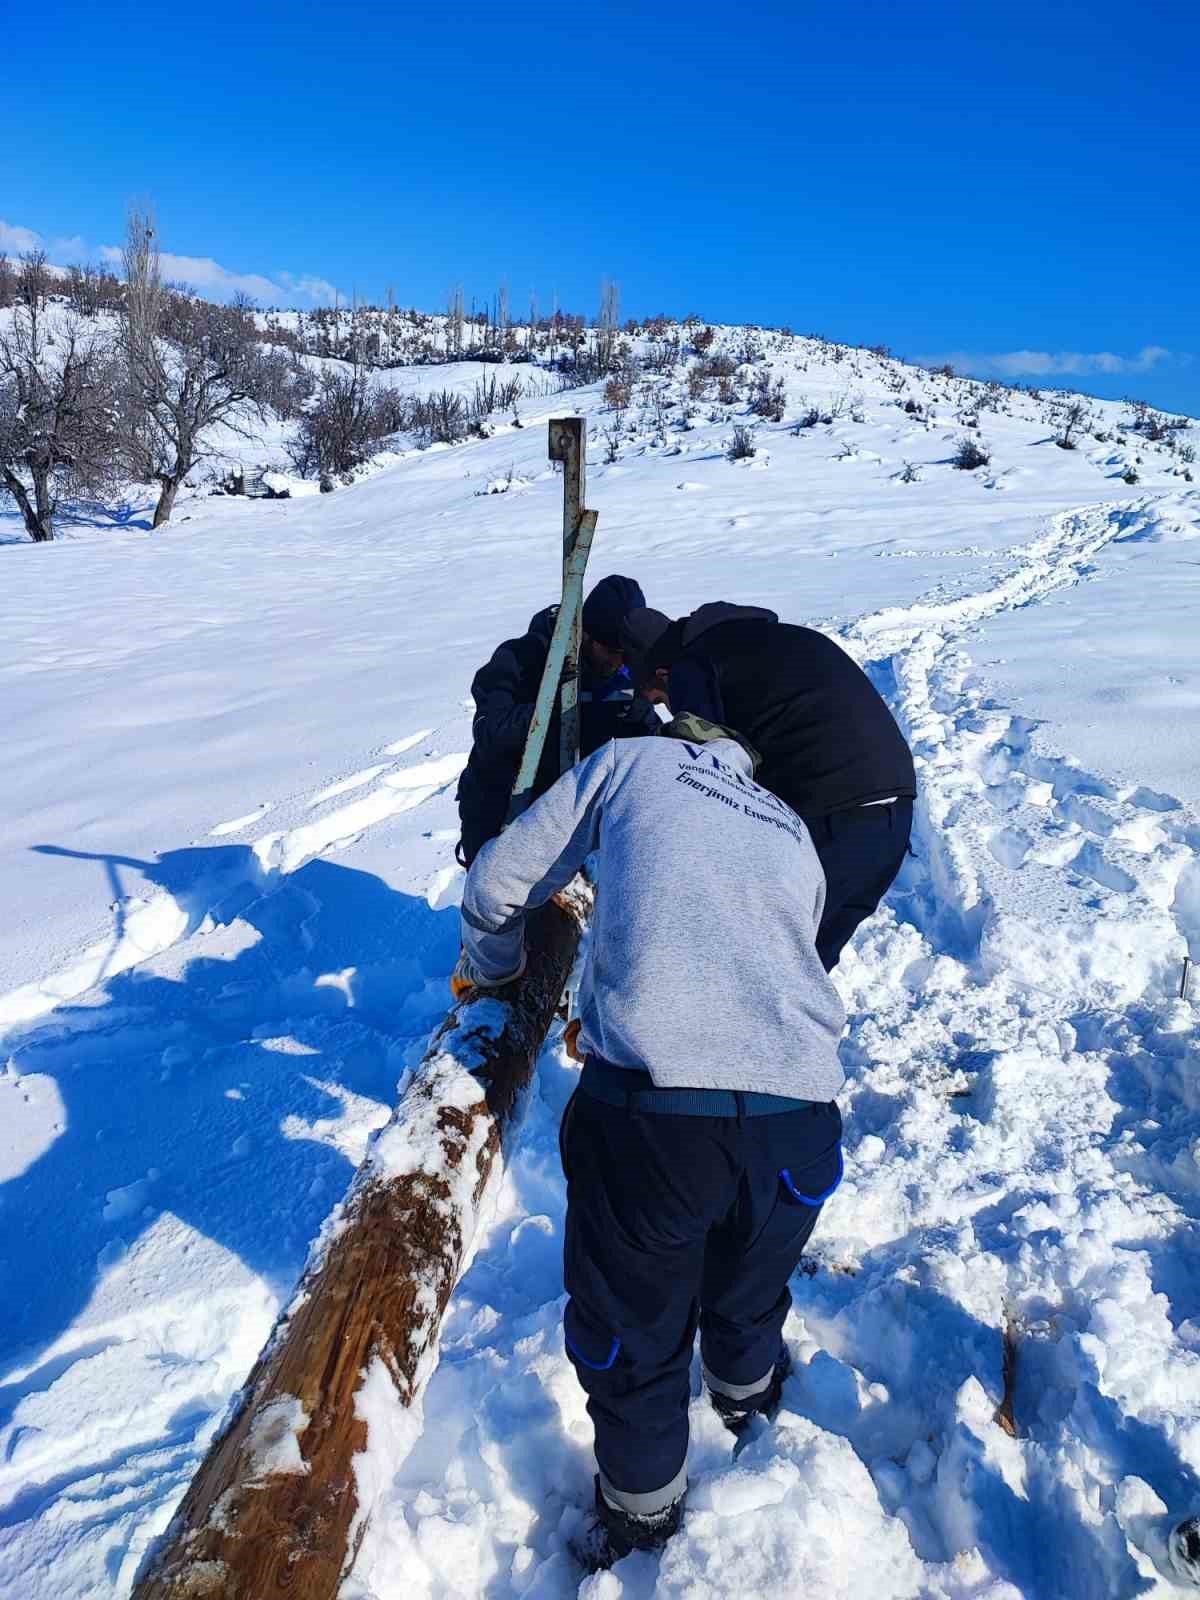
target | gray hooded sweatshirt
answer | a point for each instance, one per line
(701, 968)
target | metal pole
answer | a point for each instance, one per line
(543, 710)
(568, 444)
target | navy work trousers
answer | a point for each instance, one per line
(861, 851)
(675, 1222)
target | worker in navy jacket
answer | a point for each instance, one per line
(830, 747)
(506, 687)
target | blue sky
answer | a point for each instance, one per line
(1011, 187)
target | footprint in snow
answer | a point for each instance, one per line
(412, 740)
(238, 823)
(355, 781)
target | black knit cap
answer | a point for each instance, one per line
(606, 608)
(641, 632)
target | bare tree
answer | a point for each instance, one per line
(609, 321)
(454, 332)
(1074, 419)
(90, 290)
(57, 412)
(190, 366)
(33, 280)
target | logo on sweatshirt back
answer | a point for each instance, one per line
(713, 779)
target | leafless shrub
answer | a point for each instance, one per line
(838, 407)
(718, 365)
(742, 445)
(392, 413)
(696, 383)
(727, 391)
(970, 454)
(662, 357)
(338, 429)
(440, 418)
(492, 394)
(768, 397)
(618, 392)
(1154, 425)
(809, 417)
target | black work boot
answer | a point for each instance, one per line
(737, 1415)
(613, 1534)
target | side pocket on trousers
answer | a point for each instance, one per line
(588, 1344)
(812, 1185)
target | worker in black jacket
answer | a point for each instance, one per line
(505, 690)
(830, 747)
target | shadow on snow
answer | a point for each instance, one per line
(177, 1089)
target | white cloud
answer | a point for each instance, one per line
(1049, 364)
(17, 239)
(210, 278)
(201, 273)
(319, 289)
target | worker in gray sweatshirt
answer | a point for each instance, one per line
(704, 1136)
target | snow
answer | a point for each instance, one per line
(273, 1443)
(226, 861)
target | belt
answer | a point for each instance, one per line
(634, 1090)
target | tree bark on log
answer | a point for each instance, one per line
(274, 1507)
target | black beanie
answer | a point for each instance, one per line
(606, 608)
(641, 632)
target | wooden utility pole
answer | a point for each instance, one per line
(273, 1506)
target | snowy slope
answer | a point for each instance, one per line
(228, 877)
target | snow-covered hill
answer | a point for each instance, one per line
(230, 895)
